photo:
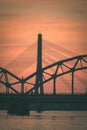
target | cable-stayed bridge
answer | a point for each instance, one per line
(52, 64)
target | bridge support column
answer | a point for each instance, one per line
(39, 78)
(39, 108)
(22, 86)
(19, 108)
(7, 90)
(72, 82)
(6, 79)
(54, 86)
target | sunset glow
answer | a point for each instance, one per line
(62, 22)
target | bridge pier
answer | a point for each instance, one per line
(19, 108)
(39, 108)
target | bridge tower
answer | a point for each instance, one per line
(39, 77)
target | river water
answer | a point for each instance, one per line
(48, 120)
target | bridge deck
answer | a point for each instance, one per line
(48, 102)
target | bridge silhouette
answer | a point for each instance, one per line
(43, 75)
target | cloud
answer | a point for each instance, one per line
(4, 40)
(9, 14)
(73, 10)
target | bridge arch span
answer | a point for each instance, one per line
(78, 63)
(6, 81)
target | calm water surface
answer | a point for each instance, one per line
(59, 120)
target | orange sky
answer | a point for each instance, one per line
(62, 22)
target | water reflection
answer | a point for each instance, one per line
(53, 120)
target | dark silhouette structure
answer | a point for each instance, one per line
(21, 102)
(39, 77)
(78, 63)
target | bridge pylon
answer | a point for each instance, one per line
(39, 77)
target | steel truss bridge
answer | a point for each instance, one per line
(65, 69)
(43, 75)
(20, 102)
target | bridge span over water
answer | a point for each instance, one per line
(20, 101)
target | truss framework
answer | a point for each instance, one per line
(59, 68)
